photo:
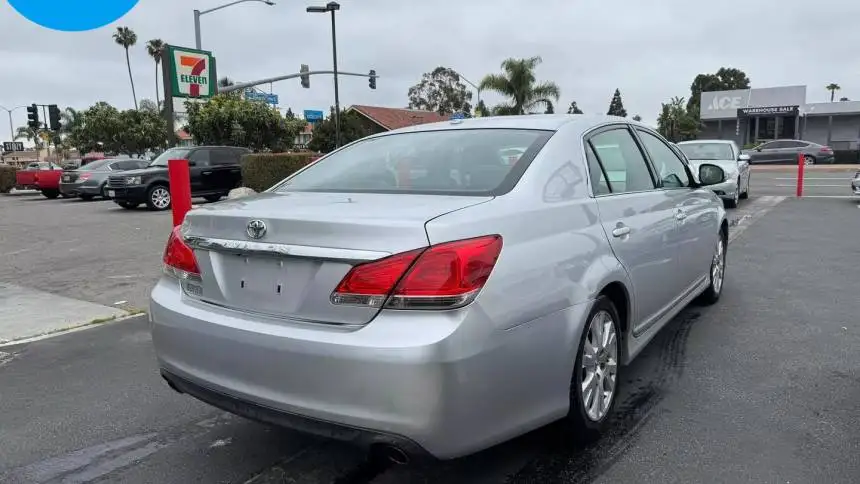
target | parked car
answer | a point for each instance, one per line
(728, 156)
(449, 312)
(26, 179)
(90, 181)
(789, 151)
(215, 170)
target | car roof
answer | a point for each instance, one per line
(549, 122)
(721, 141)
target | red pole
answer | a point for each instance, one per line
(180, 189)
(800, 166)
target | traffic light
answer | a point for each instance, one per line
(54, 117)
(306, 79)
(33, 116)
(372, 80)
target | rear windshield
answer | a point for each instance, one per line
(96, 165)
(707, 151)
(449, 162)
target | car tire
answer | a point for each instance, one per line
(86, 198)
(103, 192)
(808, 160)
(66, 195)
(128, 205)
(52, 194)
(585, 422)
(158, 197)
(746, 194)
(716, 273)
(212, 198)
(733, 203)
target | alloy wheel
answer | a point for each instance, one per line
(160, 198)
(599, 366)
(808, 160)
(718, 266)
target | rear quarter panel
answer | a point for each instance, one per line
(49, 179)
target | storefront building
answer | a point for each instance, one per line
(753, 116)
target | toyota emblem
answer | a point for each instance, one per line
(256, 229)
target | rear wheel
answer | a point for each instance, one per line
(808, 160)
(158, 197)
(128, 205)
(212, 198)
(595, 382)
(51, 193)
(86, 198)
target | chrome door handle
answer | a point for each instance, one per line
(620, 231)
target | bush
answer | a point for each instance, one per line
(262, 171)
(7, 178)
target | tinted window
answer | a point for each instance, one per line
(774, 145)
(670, 168)
(625, 166)
(467, 162)
(795, 144)
(171, 154)
(96, 165)
(598, 178)
(707, 151)
(200, 157)
(224, 157)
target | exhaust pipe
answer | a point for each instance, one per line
(392, 454)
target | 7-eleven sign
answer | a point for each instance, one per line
(192, 72)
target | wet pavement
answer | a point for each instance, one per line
(762, 387)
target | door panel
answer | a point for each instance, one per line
(202, 175)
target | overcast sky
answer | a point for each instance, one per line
(650, 50)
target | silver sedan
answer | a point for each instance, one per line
(419, 293)
(728, 156)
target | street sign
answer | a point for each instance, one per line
(13, 146)
(312, 116)
(252, 95)
(192, 72)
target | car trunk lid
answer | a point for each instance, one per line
(305, 244)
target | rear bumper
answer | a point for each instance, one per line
(76, 188)
(133, 194)
(447, 383)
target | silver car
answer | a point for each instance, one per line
(726, 154)
(855, 184)
(416, 293)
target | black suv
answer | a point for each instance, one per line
(215, 170)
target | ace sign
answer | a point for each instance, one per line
(192, 72)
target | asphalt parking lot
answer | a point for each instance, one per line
(759, 388)
(818, 180)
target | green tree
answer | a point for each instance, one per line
(442, 91)
(154, 48)
(351, 129)
(481, 110)
(289, 114)
(616, 105)
(149, 106)
(833, 87)
(29, 134)
(550, 109)
(574, 109)
(518, 83)
(676, 123)
(637, 118)
(725, 79)
(143, 130)
(234, 121)
(98, 129)
(126, 37)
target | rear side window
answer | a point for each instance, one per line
(622, 161)
(200, 157)
(447, 162)
(598, 179)
(224, 157)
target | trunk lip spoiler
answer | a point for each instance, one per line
(270, 249)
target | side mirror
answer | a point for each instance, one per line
(192, 163)
(711, 174)
(743, 157)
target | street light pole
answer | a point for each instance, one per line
(333, 7)
(477, 89)
(198, 13)
(9, 112)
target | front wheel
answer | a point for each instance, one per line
(716, 274)
(595, 380)
(746, 194)
(733, 202)
(808, 160)
(128, 205)
(158, 197)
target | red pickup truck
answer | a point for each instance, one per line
(48, 182)
(26, 179)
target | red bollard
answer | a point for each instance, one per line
(800, 167)
(180, 189)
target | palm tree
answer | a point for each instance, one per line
(126, 37)
(832, 87)
(154, 48)
(30, 134)
(519, 84)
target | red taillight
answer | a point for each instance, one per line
(442, 276)
(84, 176)
(826, 149)
(179, 258)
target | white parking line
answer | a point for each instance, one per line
(814, 185)
(750, 213)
